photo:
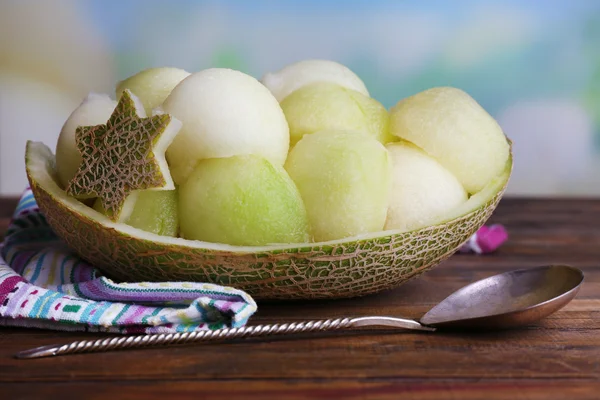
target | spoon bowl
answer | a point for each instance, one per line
(507, 300)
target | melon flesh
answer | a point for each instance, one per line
(95, 109)
(423, 191)
(479, 199)
(344, 178)
(154, 211)
(323, 105)
(450, 126)
(242, 200)
(152, 85)
(224, 113)
(294, 76)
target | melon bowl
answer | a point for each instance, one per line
(350, 267)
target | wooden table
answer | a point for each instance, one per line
(557, 358)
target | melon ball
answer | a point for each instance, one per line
(154, 211)
(453, 128)
(152, 85)
(328, 106)
(485, 195)
(345, 179)
(94, 110)
(294, 76)
(224, 113)
(423, 191)
(242, 200)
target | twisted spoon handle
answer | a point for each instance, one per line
(123, 342)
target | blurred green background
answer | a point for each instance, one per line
(533, 64)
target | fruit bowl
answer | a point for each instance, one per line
(349, 267)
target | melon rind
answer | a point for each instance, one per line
(336, 269)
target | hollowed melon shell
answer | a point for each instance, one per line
(336, 269)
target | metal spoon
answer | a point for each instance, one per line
(506, 300)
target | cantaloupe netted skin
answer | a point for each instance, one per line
(339, 269)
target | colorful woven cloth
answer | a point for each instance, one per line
(45, 285)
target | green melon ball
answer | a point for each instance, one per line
(450, 126)
(344, 178)
(152, 86)
(94, 110)
(423, 191)
(224, 113)
(242, 200)
(294, 76)
(154, 211)
(328, 106)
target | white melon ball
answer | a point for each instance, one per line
(294, 76)
(344, 179)
(453, 128)
(423, 191)
(94, 110)
(224, 113)
(152, 85)
(242, 200)
(325, 105)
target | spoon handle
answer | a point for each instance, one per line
(123, 342)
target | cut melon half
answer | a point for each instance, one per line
(348, 267)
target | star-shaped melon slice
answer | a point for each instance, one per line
(123, 156)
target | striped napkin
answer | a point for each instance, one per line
(45, 285)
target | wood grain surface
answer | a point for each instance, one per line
(558, 358)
